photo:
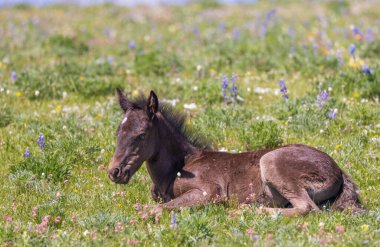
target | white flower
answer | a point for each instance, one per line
(64, 94)
(85, 233)
(36, 93)
(195, 88)
(199, 67)
(190, 106)
(178, 174)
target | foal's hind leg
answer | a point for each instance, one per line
(284, 189)
(301, 202)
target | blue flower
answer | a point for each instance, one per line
(332, 113)
(41, 141)
(26, 154)
(14, 76)
(132, 44)
(366, 69)
(322, 98)
(173, 220)
(352, 50)
(283, 89)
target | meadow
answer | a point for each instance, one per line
(247, 76)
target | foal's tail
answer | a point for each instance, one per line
(348, 198)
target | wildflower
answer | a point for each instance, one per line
(315, 49)
(249, 231)
(283, 89)
(369, 35)
(234, 88)
(366, 70)
(173, 221)
(101, 168)
(357, 33)
(41, 141)
(268, 17)
(352, 50)
(18, 94)
(27, 154)
(190, 106)
(332, 113)
(364, 227)
(322, 98)
(236, 33)
(8, 219)
(14, 76)
(132, 44)
(339, 229)
(225, 87)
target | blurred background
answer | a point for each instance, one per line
(118, 2)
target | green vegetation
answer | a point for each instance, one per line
(60, 65)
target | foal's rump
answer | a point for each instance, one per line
(295, 169)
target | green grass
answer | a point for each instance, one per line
(69, 60)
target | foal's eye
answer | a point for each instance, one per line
(142, 137)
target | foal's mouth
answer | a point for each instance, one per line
(123, 173)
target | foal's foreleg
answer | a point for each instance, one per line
(194, 197)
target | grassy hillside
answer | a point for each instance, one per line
(60, 65)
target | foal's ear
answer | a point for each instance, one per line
(152, 106)
(123, 101)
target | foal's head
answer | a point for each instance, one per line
(136, 137)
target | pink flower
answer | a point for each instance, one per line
(101, 168)
(249, 232)
(8, 219)
(339, 229)
(58, 194)
(57, 219)
(34, 212)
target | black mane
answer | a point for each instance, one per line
(177, 119)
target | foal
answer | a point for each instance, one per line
(291, 180)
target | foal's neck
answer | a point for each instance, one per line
(172, 149)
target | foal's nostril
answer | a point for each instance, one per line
(116, 172)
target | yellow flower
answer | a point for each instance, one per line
(358, 37)
(356, 63)
(1, 64)
(364, 227)
(286, 123)
(18, 94)
(98, 115)
(355, 95)
(58, 108)
(75, 191)
(81, 78)
(212, 71)
(338, 145)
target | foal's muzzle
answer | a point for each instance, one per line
(119, 176)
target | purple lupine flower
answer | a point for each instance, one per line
(315, 49)
(352, 50)
(14, 76)
(322, 98)
(291, 34)
(340, 59)
(41, 140)
(132, 44)
(356, 31)
(332, 113)
(225, 87)
(173, 220)
(236, 33)
(366, 69)
(268, 17)
(26, 154)
(369, 35)
(304, 46)
(283, 89)
(329, 47)
(234, 88)
(222, 27)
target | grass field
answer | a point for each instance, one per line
(60, 65)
